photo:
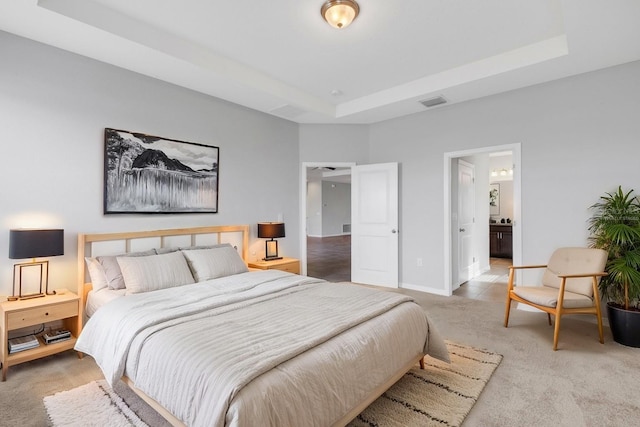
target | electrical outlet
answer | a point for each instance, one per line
(419, 262)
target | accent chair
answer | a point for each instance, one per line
(569, 286)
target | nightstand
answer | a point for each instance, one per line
(31, 312)
(292, 265)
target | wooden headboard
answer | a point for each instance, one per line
(90, 245)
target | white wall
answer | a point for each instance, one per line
(580, 137)
(54, 107)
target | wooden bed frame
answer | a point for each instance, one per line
(237, 235)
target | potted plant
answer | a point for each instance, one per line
(615, 227)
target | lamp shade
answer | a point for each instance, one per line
(270, 230)
(29, 243)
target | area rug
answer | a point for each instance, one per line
(440, 395)
(94, 404)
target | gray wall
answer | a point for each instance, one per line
(336, 207)
(54, 107)
(328, 207)
(580, 137)
(314, 207)
(334, 143)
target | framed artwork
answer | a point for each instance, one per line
(494, 199)
(151, 174)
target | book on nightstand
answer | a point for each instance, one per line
(23, 343)
(56, 336)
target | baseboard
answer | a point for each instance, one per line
(426, 289)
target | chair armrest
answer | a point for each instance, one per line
(519, 267)
(575, 276)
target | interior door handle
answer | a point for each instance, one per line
(462, 230)
(394, 231)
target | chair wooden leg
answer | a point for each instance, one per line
(507, 309)
(600, 329)
(556, 332)
(422, 363)
(508, 303)
(598, 309)
(549, 316)
(558, 312)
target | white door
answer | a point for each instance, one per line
(466, 220)
(374, 224)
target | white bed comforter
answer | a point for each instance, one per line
(194, 348)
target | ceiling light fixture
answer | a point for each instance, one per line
(340, 13)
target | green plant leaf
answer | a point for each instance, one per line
(615, 227)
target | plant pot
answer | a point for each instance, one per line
(625, 325)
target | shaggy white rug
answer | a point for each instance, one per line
(93, 404)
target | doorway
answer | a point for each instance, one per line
(325, 246)
(480, 157)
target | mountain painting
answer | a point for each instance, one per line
(150, 174)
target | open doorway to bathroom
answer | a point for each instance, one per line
(490, 284)
(471, 257)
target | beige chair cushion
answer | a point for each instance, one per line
(574, 261)
(548, 297)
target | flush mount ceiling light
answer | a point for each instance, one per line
(340, 13)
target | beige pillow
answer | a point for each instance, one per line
(212, 263)
(96, 272)
(151, 273)
(112, 268)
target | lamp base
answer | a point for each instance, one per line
(31, 296)
(271, 258)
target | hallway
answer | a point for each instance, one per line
(329, 258)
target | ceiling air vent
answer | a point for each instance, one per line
(432, 102)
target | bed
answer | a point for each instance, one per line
(205, 341)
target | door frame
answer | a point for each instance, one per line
(303, 204)
(517, 205)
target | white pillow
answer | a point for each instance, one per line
(208, 264)
(96, 272)
(112, 268)
(150, 273)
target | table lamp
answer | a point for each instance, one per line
(32, 243)
(271, 230)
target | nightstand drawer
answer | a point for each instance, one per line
(35, 315)
(291, 267)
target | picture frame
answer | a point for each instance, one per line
(494, 199)
(156, 175)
